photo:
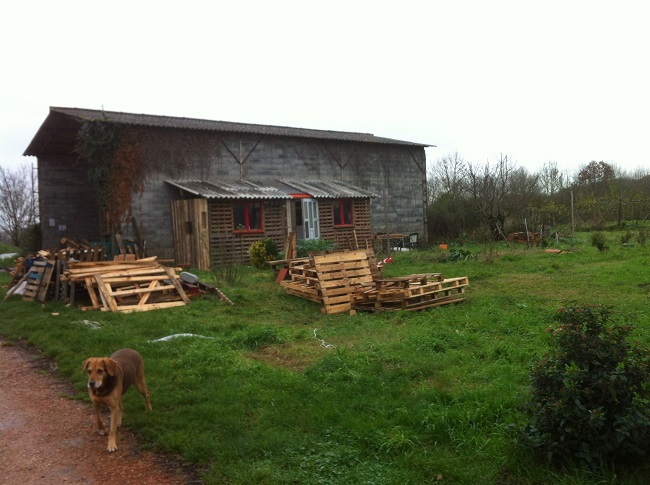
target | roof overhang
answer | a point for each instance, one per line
(283, 189)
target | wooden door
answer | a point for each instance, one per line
(310, 218)
(191, 233)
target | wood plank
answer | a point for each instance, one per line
(91, 293)
(105, 291)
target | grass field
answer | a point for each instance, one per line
(271, 391)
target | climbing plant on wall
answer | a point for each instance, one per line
(115, 170)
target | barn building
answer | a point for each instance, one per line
(202, 191)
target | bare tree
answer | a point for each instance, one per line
(551, 180)
(17, 212)
(447, 177)
(500, 191)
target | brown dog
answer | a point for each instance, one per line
(108, 380)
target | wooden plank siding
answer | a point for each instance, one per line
(344, 236)
(227, 246)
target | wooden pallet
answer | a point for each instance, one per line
(338, 275)
(38, 280)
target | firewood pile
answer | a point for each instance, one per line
(351, 280)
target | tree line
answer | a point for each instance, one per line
(489, 200)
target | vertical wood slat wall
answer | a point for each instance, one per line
(226, 246)
(344, 236)
(191, 232)
(202, 247)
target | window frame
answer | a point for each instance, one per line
(341, 212)
(247, 206)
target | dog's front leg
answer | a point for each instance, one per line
(112, 435)
(98, 417)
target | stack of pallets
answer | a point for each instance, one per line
(350, 280)
(413, 292)
(329, 279)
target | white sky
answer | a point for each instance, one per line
(564, 81)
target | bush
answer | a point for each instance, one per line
(262, 251)
(599, 240)
(306, 246)
(590, 392)
(625, 238)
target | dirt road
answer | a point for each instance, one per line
(48, 439)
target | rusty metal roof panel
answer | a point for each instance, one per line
(239, 189)
(328, 189)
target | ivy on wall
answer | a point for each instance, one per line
(115, 166)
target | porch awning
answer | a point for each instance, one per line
(280, 189)
(239, 189)
(328, 189)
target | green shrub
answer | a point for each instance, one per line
(306, 246)
(590, 392)
(625, 238)
(599, 240)
(262, 251)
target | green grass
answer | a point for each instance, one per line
(394, 398)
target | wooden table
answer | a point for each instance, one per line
(387, 238)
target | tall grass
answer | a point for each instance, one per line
(277, 392)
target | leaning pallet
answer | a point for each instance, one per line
(38, 280)
(338, 274)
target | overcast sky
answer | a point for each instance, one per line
(563, 81)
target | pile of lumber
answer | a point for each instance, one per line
(127, 286)
(351, 280)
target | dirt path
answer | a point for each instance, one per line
(48, 439)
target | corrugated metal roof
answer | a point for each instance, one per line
(225, 126)
(239, 189)
(330, 189)
(246, 189)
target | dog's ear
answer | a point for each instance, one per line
(85, 365)
(111, 366)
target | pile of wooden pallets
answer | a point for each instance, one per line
(412, 292)
(127, 286)
(329, 279)
(350, 280)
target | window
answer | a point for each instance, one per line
(247, 216)
(342, 212)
